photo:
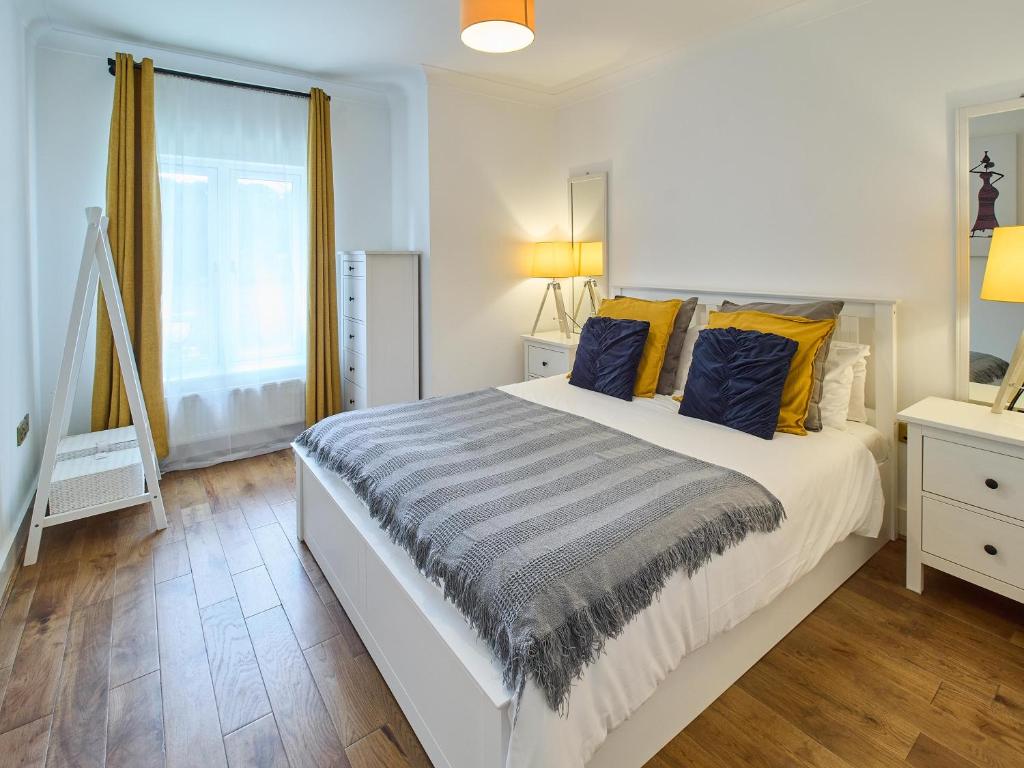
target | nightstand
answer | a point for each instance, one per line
(965, 494)
(548, 354)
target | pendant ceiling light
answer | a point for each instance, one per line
(497, 26)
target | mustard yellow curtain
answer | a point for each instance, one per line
(323, 371)
(133, 207)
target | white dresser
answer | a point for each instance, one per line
(379, 304)
(965, 494)
(548, 353)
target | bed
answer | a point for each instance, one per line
(682, 651)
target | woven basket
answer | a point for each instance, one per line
(98, 478)
(75, 446)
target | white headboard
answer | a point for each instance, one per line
(866, 321)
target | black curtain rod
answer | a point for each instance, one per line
(219, 81)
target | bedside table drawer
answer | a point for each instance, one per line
(355, 397)
(977, 477)
(974, 541)
(354, 368)
(546, 362)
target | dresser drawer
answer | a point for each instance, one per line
(546, 362)
(985, 479)
(355, 397)
(353, 268)
(983, 544)
(353, 368)
(354, 336)
(353, 298)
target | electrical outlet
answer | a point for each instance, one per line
(23, 430)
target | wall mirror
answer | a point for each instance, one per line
(588, 228)
(990, 194)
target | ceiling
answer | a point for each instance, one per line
(577, 40)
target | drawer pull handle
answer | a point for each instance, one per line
(351, 368)
(990, 483)
(544, 363)
(351, 335)
(351, 402)
(351, 298)
(991, 550)
(351, 269)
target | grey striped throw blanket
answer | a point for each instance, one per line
(550, 532)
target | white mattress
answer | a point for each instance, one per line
(829, 485)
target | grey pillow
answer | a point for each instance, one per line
(674, 350)
(815, 310)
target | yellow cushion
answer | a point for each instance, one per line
(809, 336)
(662, 316)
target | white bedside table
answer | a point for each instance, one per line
(548, 354)
(965, 494)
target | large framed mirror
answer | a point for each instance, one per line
(990, 195)
(588, 228)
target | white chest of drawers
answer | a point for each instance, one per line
(548, 354)
(378, 304)
(965, 494)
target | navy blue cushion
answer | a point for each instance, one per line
(736, 379)
(608, 356)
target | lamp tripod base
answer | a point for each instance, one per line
(556, 288)
(1013, 380)
(591, 289)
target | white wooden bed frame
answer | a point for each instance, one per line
(455, 700)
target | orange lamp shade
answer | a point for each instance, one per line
(1004, 272)
(497, 26)
(553, 260)
(591, 259)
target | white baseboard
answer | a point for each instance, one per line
(12, 547)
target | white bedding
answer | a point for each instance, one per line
(829, 485)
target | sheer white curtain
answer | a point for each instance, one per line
(235, 229)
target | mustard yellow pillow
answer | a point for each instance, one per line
(809, 336)
(662, 316)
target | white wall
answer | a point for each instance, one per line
(815, 157)
(75, 94)
(17, 383)
(496, 186)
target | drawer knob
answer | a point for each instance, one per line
(351, 335)
(351, 368)
(351, 268)
(351, 298)
(990, 483)
(991, 550)
(544, 363)
(351, 402)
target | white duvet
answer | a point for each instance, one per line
(829, 485)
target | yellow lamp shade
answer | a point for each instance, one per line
(591, 259)
(497, 26)
(553, 260)
(1004, 273)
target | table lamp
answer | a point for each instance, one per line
(553, 261)
(590, 261)
(1004, 281)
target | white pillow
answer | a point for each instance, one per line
(686, 356)
(837, 385)
(856, 410)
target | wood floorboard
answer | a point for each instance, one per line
(191, 726)
(241, 698)
(79, 728)
(257, 745)
(219, 641)
(135, 724)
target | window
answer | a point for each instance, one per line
(235, 232)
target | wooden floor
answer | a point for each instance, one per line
(218, 642)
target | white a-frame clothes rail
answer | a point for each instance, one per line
(97, 269)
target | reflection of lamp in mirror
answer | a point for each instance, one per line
(553, 261)
(590, 257)
(1004, 281)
